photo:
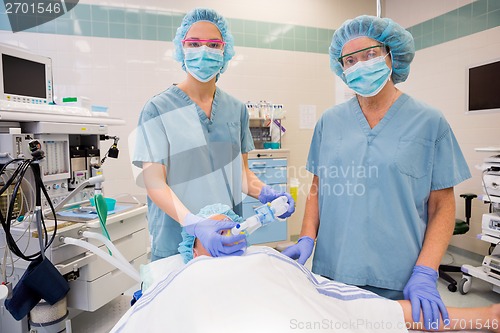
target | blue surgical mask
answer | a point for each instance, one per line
(367, 78)
(203, 63)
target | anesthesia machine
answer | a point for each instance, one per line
(59, 251)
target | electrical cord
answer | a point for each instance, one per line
(16, 179)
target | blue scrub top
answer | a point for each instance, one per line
(202, 156)
(374, 185)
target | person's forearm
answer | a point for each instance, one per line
(161, 194)
(484, 318)
(251, 184)
(310, 224)
(441, 212)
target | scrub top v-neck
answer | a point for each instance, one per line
(374, 185)
(202, 155)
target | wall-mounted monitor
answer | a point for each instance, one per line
(25, 77)
(483, 87)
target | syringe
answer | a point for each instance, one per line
(264, 215)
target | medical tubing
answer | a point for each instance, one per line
(109, 245)
(113, 261)
(6, 223)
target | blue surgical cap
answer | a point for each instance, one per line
(207, 15)
(186, 246)
(384, 30)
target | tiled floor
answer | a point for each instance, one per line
(480, 294)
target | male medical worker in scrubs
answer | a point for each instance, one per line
(381, 206)
(192, 143)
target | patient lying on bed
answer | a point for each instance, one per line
(265, 291)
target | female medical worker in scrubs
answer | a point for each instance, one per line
(381, 206)
(192, 143)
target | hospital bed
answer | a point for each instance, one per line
(262, 291)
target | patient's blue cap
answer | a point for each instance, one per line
(186, 246)
(384, 30)
(207, 15)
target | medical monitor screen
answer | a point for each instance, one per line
(23, 77)
(484, 87)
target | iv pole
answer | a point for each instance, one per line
(379, 9)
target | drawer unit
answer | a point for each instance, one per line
(270, 166)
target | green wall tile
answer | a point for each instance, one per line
(465, 12)
(276, 43)
(4, 22)
(239, 38)
(451, 32)
(250, 27)
(479, 8)
(493, 5)
(427, 27)
(312, 33)
(165, 33)
(312, 45)
(275, 29)
(237, 26)
(263, 43)
(324, 35)
(149, 18)
(262, 29)
(438, 23)
(132, 17)
(323, 47)
(426, 41)
(288, 31)
(177, 19)
(99, 13)
(83, 28)
(288, 44)
(116, 30)
(250, 40)
(100, 29)
(81, 12)
(479, 23)
(116, 15)
(133, 31)
(493, 19)
(438, 37)
(164, 20)
(47, 28)
(64, 26)
(149, 32)
(417, 30)
(300, 45)
(115, 22)
(300, 32)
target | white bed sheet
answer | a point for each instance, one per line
(262, 291)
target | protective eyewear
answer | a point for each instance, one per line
(350, 59)
(210, 43)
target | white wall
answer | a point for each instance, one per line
(438, 77)
(123, 74)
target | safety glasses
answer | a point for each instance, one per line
(210, 43)
(350, 59)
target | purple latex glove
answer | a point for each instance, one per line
(268, 194)
(422, 292)
(209, 232)
(301, 251)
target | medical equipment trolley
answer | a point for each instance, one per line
(489, 271)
